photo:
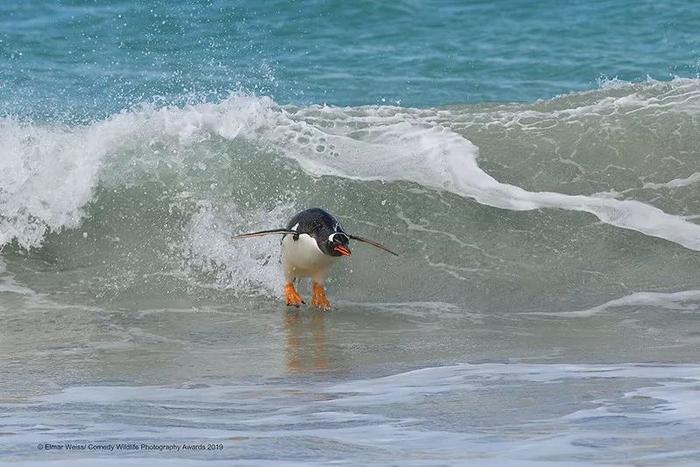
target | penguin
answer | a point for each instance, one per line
(312, 241)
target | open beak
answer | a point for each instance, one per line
(343, 250)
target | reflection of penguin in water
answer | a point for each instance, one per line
(312, 241)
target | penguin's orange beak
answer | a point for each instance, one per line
(343, 250)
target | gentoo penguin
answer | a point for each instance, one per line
(312, 241)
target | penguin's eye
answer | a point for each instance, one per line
(338, 237)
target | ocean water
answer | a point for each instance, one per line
(535, 164)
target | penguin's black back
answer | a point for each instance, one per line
(313, 221)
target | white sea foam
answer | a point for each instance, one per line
(48, 173)
(436, 157)
(687, 300)
(46, 177)
(427, 154)
(379, 420)
(237, 266)
(676, 182)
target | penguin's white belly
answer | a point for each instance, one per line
(303, 257)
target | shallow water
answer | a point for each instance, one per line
(544, 306)
(421, 383)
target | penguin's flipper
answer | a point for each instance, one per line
(373, 243)
(265, 232)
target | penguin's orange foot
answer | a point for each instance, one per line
(319, 299)
(293, 297)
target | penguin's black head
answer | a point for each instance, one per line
(335, 244)
(324, 228)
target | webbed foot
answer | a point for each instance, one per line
(318, 298)
(293, 297)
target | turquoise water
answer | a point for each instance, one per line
(535, 164)
(88, 59)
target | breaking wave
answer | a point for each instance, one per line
(162, 188)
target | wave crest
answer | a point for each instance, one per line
(51, 172)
